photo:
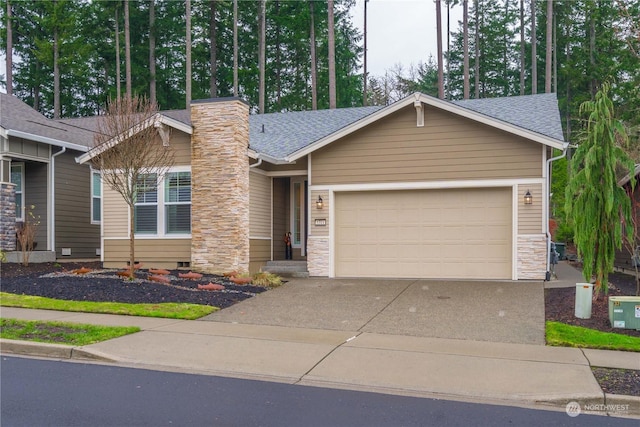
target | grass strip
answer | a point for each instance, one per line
(61, 332)
(560, 334)
(168, 310)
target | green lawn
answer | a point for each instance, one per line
(165, 310)
(560, 334)
(61, 332)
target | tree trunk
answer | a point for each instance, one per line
(440, 57)
(262, 33)
(213, 82)
(235, 47)
(9, 59)
(132, 243)
(534, 54)
(364, 73)
(278, 61)
(465, 42)
(312, 48)
(118, 77)
(522, 44)
(448, 95)
(549, 48)
(592, 54)
(188, 54)
(332, 56)
(56, 71)
(152, 51)
(127, 48)
(477, 51)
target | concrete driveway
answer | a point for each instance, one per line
(498, 311)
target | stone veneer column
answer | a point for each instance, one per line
(318, 256)
(532, 257)
(7, 217)
(220, 185)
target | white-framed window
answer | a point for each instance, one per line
(163, 205)
(146, 209)
(96, 197)
(177, 202)
(17, 178)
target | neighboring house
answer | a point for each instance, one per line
(624, 258)
(39, 176)
(422, 188)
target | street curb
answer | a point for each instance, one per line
(631, 405)
(58, 351)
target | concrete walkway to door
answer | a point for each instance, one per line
(497, 311)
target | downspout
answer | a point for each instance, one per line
(52, 213)
(256, 164)
(546, 208)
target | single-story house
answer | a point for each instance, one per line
(41, 181)
(422, 188)
(624, 259)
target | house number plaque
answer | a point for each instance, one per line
(321, 222)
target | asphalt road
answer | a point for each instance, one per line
(38, 392)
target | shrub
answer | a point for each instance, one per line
(267, 279)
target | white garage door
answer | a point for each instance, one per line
(457, 234)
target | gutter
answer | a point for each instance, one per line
(52, 213)
(546, 208)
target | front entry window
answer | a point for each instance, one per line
(17, 178)
(298, 213)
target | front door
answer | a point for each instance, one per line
(298, 214)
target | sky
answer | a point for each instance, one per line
(401, 31)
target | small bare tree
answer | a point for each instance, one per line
(130, 145)
(26, 234)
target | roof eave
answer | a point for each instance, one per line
(46, 140)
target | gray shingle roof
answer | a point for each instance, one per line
(286, 133)
(18, 116)
(537, 113)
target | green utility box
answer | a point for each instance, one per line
(624, 312)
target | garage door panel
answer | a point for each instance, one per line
(463, 233)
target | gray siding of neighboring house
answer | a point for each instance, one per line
(35, 199)
(73, 208)
(623, 259)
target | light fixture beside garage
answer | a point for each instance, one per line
(319, 203)
(528, 198)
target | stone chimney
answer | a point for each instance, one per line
(220, 185)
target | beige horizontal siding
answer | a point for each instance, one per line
(530, 216)
(181, 143)
(319, 213)
(115, 213)
(448, 147)
(259, 254)
(154, 253)
(259, 205)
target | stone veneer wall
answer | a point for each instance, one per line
(532, 257)
(318, 256)
(7, 217)
(220, 185)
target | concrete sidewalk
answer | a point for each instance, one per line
(504, 373)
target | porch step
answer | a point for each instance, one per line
(287, 268)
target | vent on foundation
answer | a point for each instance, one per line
(66, 251)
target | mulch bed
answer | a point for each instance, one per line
(55, 280)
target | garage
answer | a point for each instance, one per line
(449, 234)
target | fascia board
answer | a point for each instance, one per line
(46, 140)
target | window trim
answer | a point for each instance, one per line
(20, 165)
(95, 172)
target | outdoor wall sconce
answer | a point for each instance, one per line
(528, 198)
(319, 203)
